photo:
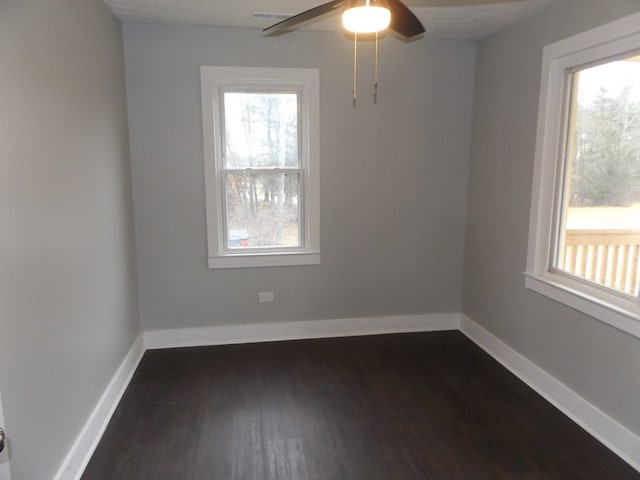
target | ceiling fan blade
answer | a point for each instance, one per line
(404, 20)
(304, 16)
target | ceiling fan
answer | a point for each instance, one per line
(361, 16)
(401, 19)
(372, 17)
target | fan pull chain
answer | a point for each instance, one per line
(375, 76)
(355, 68)
(355, 71)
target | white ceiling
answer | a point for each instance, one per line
(453, 19)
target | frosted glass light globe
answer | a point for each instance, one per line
(366, 19)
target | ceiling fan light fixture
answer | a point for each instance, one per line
(366, 18)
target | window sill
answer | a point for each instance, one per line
(249, 260)
(621, 313)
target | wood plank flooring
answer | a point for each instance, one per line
(413, 406)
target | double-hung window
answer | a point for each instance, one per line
(584, 243)
(260, 132)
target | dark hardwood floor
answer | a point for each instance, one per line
(416, 406)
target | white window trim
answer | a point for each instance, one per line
(307, 81)
(612, 39)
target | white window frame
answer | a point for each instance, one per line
(597, 45)
(214, 81)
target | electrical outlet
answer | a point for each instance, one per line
(266, 297)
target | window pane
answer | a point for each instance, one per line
(261, 130)
(263, 210)
(600, 224)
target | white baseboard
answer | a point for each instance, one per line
(78, 457)
(606, 430)
(610, 433)
(270, 332)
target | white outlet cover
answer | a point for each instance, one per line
(266, 297)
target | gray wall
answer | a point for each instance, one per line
(595, 360)
(68, 308)
(393, 178)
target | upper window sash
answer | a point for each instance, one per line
(302, 153)
(602, 44)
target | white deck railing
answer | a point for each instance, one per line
(606, 257)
